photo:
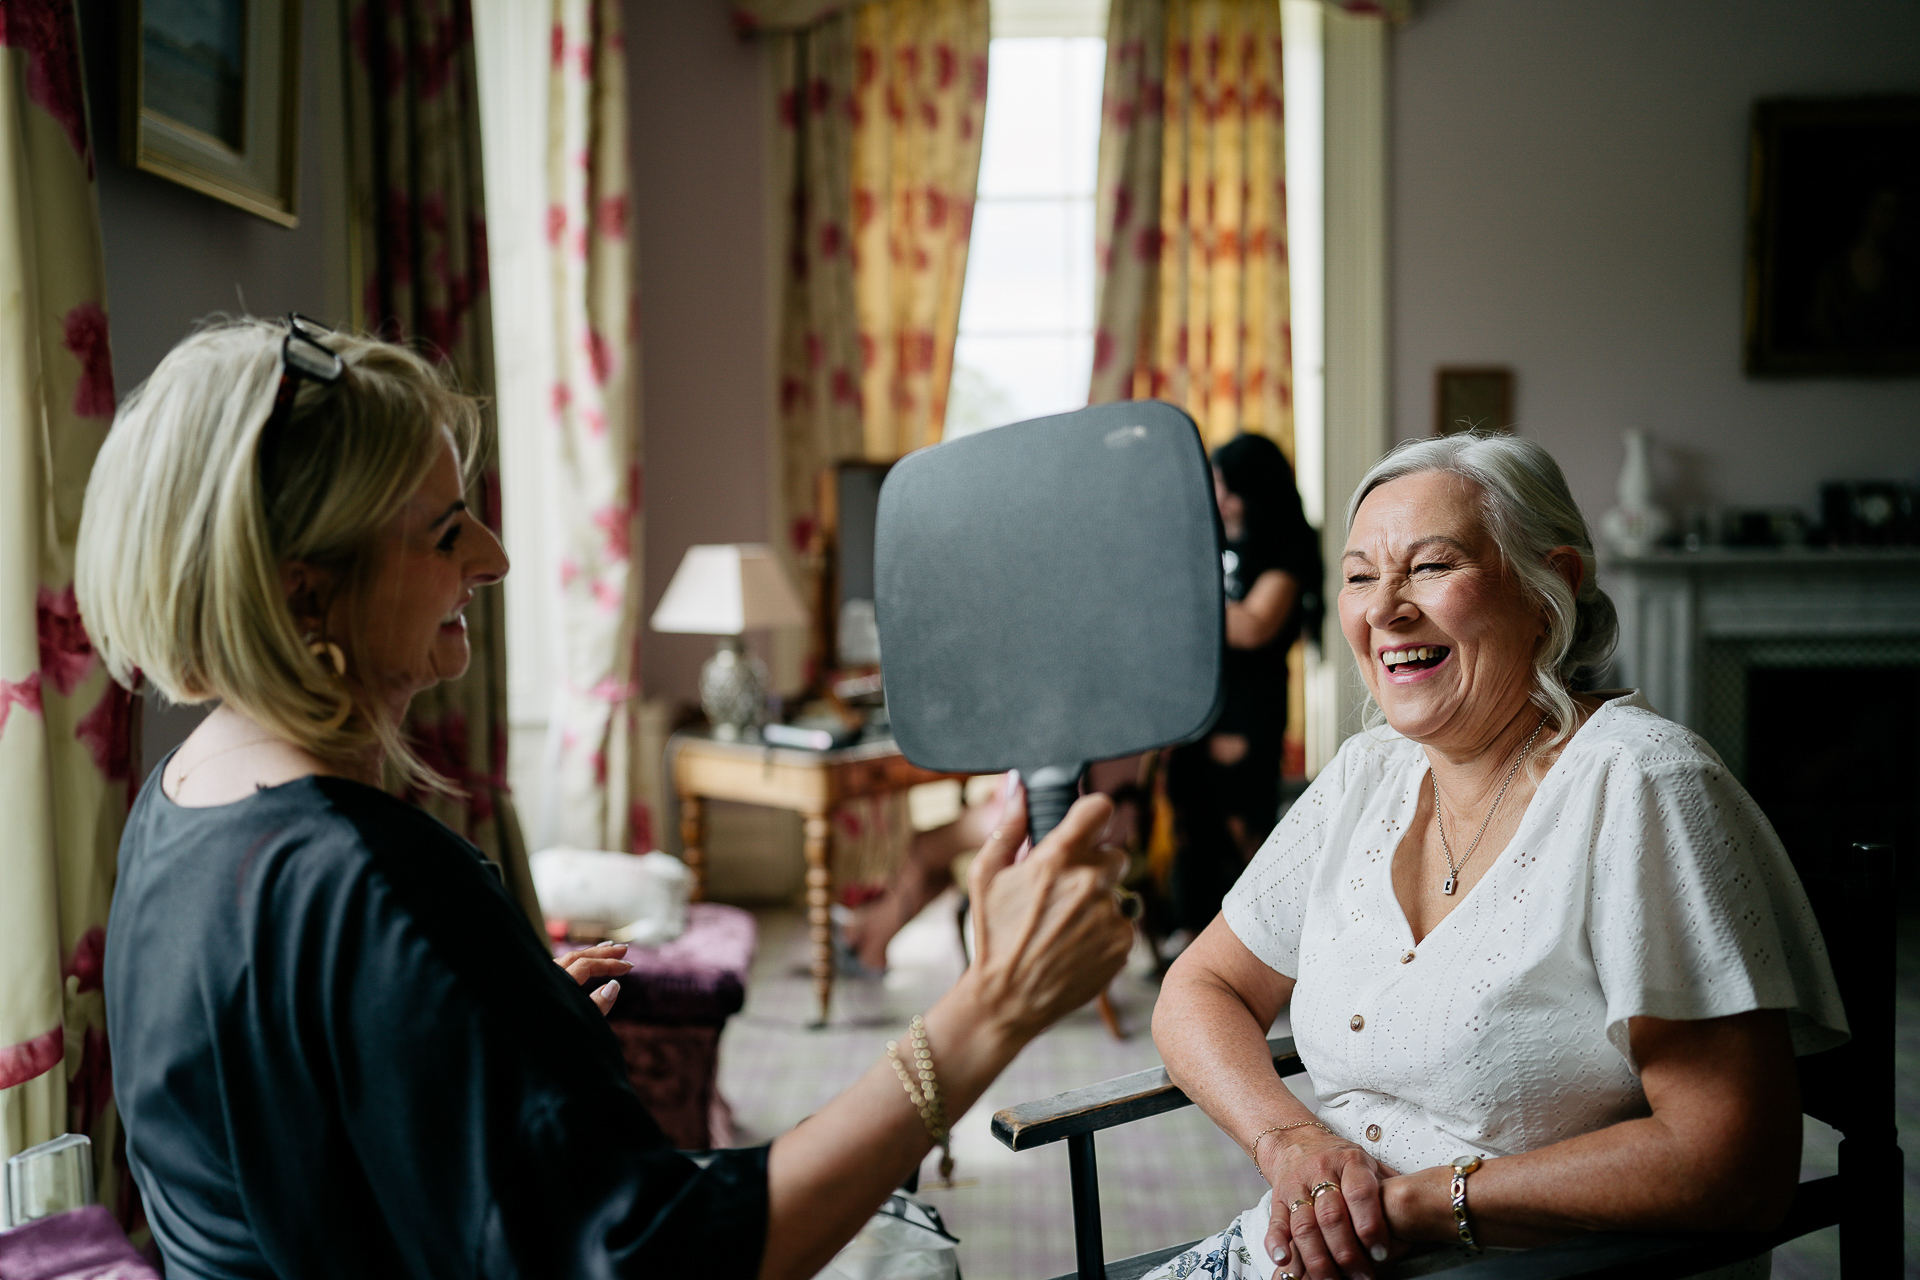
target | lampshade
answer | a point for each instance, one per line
(726, 589)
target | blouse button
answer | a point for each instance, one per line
(1373, 1133)
(1357, 1022)
(1407, 958)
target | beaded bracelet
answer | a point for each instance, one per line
(924, 1092)
(1253, 1148)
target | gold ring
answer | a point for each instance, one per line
(1297, 1205)
(1318, 1187)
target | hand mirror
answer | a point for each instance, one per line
(1049, 593)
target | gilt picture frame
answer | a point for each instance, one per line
(1468, 398)
(211, 99)
(1833, 238)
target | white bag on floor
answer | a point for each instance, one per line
(905, 1240)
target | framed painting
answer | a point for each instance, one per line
(1833, 237)
(212, 100)
(1467, 398)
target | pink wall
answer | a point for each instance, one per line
(1569, 198)
(699, 144)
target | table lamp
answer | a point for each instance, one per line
(722, 591)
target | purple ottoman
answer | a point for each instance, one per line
(671, 1010)
(81, 1244)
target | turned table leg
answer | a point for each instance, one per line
(693, 841)
(819, 908)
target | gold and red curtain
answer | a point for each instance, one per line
(881, 107)
(1192, 300)
(66, 730)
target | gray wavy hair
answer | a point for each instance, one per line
(1528, 510)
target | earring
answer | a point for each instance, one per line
(332, 654)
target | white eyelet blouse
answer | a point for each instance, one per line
(1642, 880)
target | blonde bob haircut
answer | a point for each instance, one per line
(1527, 509)
(191, 512)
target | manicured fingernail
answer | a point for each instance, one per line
(1281, 1256)
(1008, 783)
(1379, 1253)
(612, 988)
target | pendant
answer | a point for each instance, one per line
(1447, 888)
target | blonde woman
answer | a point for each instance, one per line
(338, 1048)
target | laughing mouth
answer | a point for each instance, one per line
(1417, 657)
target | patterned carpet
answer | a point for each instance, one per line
(1164, 1180)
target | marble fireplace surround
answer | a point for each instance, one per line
(1674, 604)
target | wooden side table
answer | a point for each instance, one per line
(811, 783)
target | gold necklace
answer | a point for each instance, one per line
(1440, 820)
(180, 779)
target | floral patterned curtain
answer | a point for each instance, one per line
(1126, 207)
(1195, 310)
(421, 257)
(920, 96)
(819, 405)
(596, 407)
(66, 730)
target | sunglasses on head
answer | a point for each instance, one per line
(302, 355)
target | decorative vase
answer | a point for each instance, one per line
(1638, 523)
(733, 690)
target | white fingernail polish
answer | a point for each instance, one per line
(1379, 1253)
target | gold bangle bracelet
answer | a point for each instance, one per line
(1253, 1148)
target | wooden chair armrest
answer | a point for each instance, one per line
(1109, 1103)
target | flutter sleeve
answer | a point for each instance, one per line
(1694, 910)
(1267, 906)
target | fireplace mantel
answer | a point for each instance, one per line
(1672, 603)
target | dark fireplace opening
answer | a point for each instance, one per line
(1832, 755)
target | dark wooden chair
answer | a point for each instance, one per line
(1850, 1088)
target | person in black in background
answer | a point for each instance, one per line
(1225, 788)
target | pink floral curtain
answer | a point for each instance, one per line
(920, 96)
(596, 408)
(421, 256)
(820, 361)
(66, 730)
(1193, 305)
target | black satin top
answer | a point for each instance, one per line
(339, 1051)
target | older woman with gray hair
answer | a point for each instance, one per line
(1546, 963)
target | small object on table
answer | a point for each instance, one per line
(806, 738)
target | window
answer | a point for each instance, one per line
(1025, 346)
